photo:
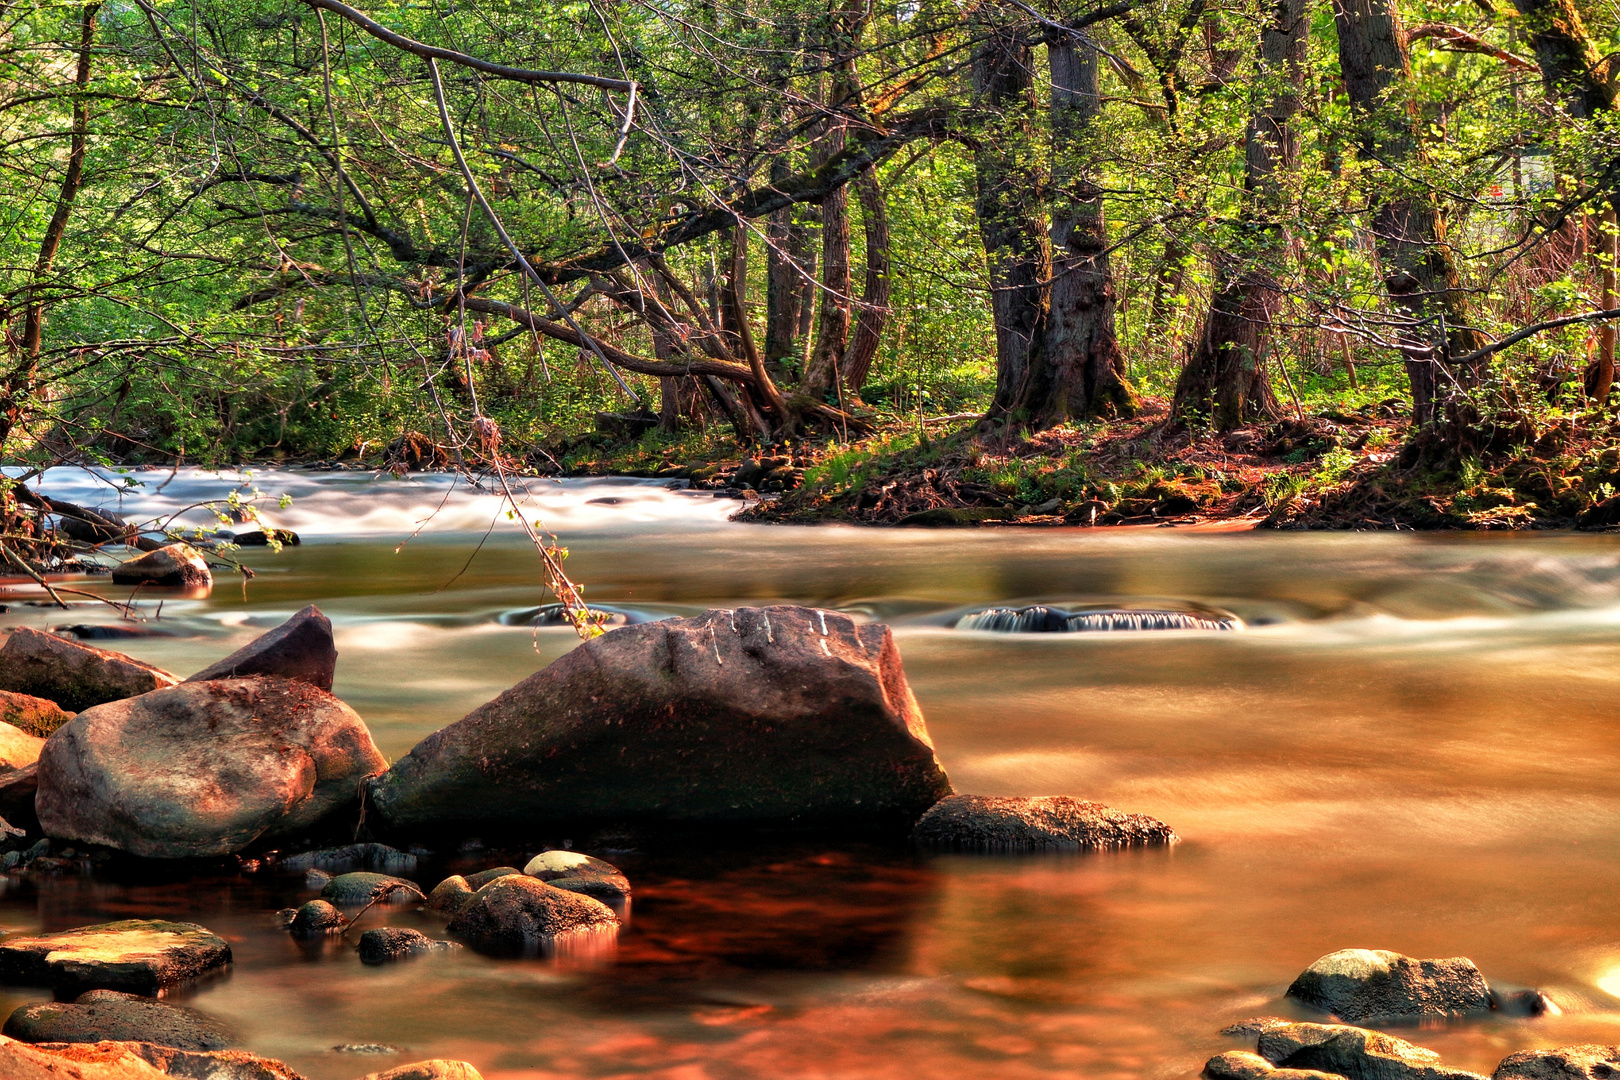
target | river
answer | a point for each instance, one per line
(1412, 746)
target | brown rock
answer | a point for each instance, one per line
(209, 1065)
(204, 769)
(1359, 1054)
(109, 1014)
(35, 715)
(73, 1061)
(300, 648)
(579, 873)
(1565, 1063)
(72, 675)
(1240, 1065)
(18, 749)
(450, 895)
(437, 1069)
(518, 914)
(780, 714)
(1358, 985)
(170, 565)
(1043, 823)
(140, 956)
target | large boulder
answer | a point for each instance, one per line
(35, 715)
(204, 769)
(178, 565)
(72, 1061)
(138, 956)
(74, 676)
(518, 914)
(1042, 823)
(1564, 1063)
(779, 714)
(109, 1014)
(300, 648)
(1358, 985)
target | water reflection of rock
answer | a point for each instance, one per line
(794, 907)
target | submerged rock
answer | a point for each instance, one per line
(1040, 619)
(35, 715)
(1565, 1063)
(1363, 984)
(316, 919)
(170, 565)
(109, 1014)
(517, 914)
(579, 873)
(355, 890)
(141, 956)
(204, 769)
(780, 714)
(437, 1069)
(72, 675)
(300, 648)
(390, 943)
(1355, 1053)
(1041, 823)
(377, 858)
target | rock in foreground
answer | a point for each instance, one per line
(18, 749)
(779, 714)
(72, 675)
(204, 769)
(1358, 985)
(139, 956)
(437, 1069)
(109, 1014)
(174, 565)
(1043, 823)
(1241, 1065)
(300, 648)
(517, 914)
(1359, 1054)
(1564, 1063)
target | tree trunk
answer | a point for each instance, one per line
(788, 243)
(832, 329)
(1407, 228)
(1572, 68)
(1079, 371)
(1007, 204)
(20, 382)
(875, 290)
(1225, 380)
(1607, 301)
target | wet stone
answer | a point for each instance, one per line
(300, 648)
(172, 565)
(579, 873)
(1587, 1062)
(141, 956)
(390, 943)
(109, 1014)
(358, 889)
(1358, 985)
(484, 877)
(437, 1069)
(316, 919)
(450, 895)
(1043, 823)
(518, 914)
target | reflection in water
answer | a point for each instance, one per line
(1412, 747)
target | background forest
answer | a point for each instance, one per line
(250, 229)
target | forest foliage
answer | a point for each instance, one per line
(246, 228)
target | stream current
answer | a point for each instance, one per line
(1412, 746)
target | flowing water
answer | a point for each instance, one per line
(1412, 745)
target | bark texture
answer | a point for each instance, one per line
(1225, 379)
(874, 314)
